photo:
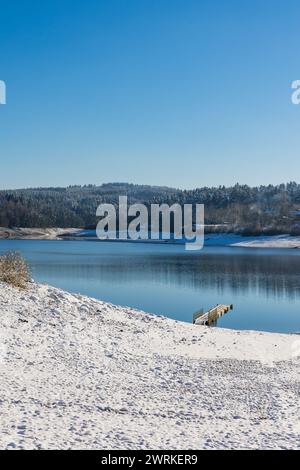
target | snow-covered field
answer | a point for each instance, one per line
(79, 373)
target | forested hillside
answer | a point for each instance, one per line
(269, 209)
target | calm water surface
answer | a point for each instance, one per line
(263, 285)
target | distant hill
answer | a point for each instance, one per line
(250, 210)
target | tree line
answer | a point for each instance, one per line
(267, 209)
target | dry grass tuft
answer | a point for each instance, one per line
(14, 269)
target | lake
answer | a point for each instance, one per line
(263, 284)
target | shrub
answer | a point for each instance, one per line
(14, 269)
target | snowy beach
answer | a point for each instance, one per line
(82, 374)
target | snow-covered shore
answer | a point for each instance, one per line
(19, 233)
(82, 374)
(278, 241)
(235, 240)
(211, 239)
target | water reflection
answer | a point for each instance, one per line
(271, 275)
(263, 285)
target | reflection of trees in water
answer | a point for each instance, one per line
(272, 275)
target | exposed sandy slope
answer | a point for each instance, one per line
(79, 373)
(36, 233)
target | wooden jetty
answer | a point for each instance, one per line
(210, 318)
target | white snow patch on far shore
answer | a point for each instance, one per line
(279, 241)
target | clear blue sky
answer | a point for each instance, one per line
(182, 93)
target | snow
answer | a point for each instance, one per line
(19, 233)
(279, 241)
(235, 240)
(83, 374)
(211, 239)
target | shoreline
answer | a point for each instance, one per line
(19, 233)
(211, 239)
(82, 373)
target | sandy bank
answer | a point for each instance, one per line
(37, 233)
